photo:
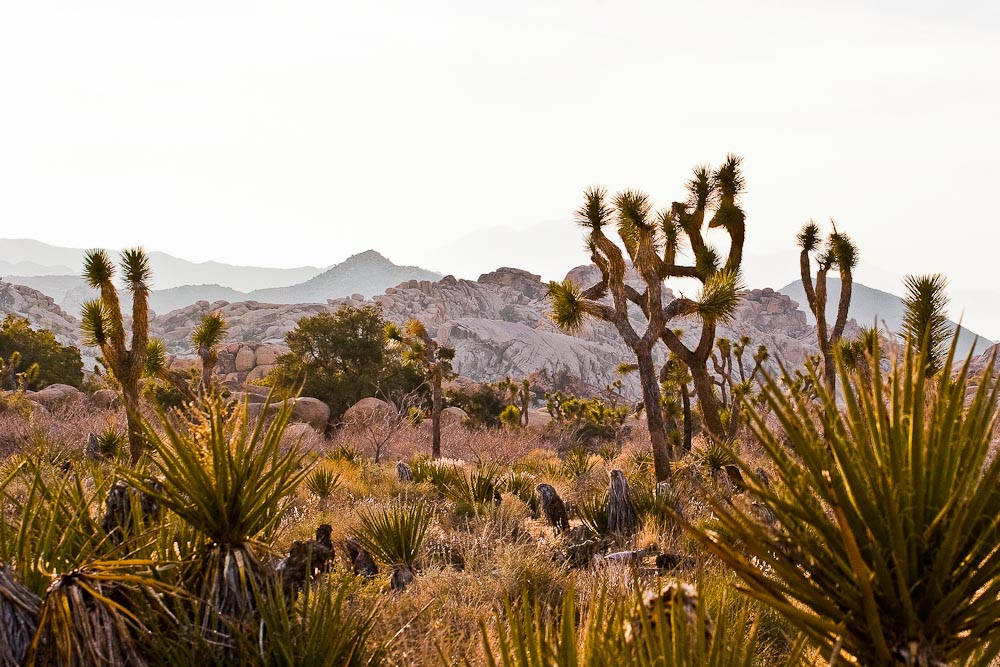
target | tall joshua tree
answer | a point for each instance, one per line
(103, 327)
(435, 361)
(840, 252)
(206, 339)
(652, 242)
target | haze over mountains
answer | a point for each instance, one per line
(361, 277)
(25, 257)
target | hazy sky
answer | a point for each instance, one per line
(287, 133)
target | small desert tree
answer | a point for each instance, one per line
(206, 339)
(925, 324)
(652, 243)
(36, 349)
(103, 326)
(840, 252)
(434, 361)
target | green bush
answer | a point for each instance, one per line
(342, 358)
(56, 363)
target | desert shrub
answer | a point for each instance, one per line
(54, 363)
(341, 358)
(393, 534)
(585, 421)
(482, 404)
(322, 482)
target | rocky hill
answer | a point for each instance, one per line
(367, 273)
(497, 324)
(40, 310)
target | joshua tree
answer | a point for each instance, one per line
(676, 403)
(735, 379)
(206, 339)
(925, 325)
(435, 361)
(652, 242)
(520, 396)
(838, 251)
(103, 326)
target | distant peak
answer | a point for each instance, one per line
(368, 256)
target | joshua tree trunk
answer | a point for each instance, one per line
(686, 405)
(662, 452)
(437, 405)
(709, 405)
(207, 366)
(133, 418)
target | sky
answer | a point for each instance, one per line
(452, 134)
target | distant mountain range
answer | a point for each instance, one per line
(870, 306)
(367, 273)
(28, 258)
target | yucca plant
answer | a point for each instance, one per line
(85, 617)
(299, 635)
(887, 515)
(322, 482)
(672, 627)
(393, 534)
(228, 476)
(19, 608)
(593, 513)
(477, 489)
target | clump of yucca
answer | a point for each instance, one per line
(227, 475)
(884, 514)
(393, 535)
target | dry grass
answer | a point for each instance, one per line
(472, 560)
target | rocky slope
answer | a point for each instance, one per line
(498, 326)
(40, 310)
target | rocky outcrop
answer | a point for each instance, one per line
(40, 310)
(497, 324)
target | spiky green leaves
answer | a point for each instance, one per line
(95, 323)
(211, 331)
(720, 296)
(728, 178)
(843, 251)
(394, 534)
(699, 187)
(925, 320)
(595, 212)
(886, 514)
(135, 266)
(156, 358)
(98, 270)
(567, 310)
(227, 475)
(808, 237)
